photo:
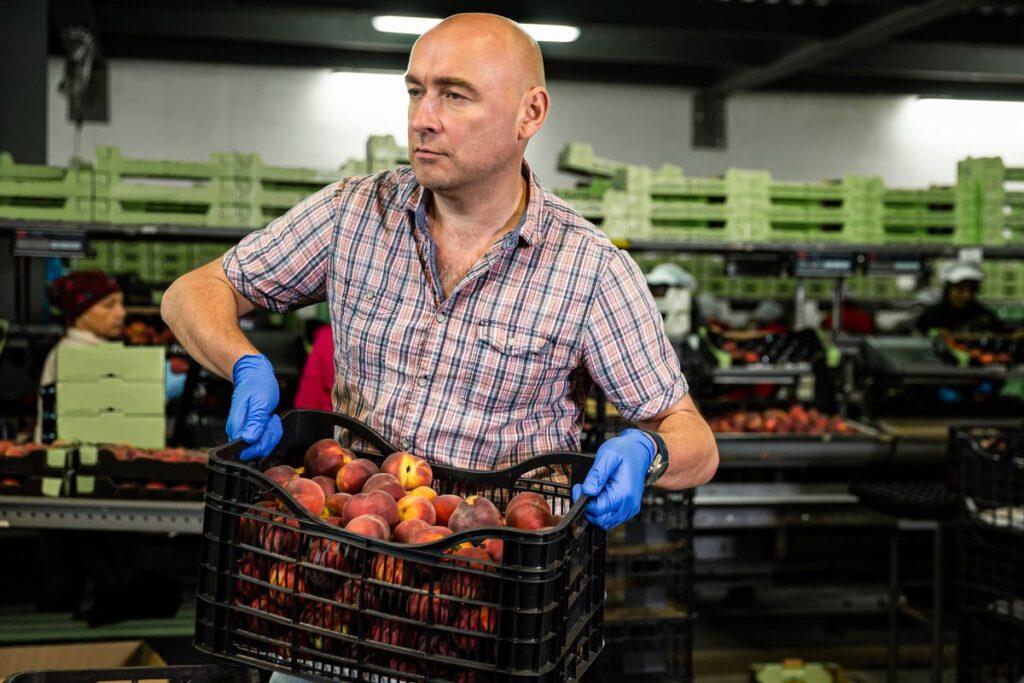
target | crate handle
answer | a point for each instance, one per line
(361, 429)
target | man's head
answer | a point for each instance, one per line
(962, 280)
(476, 96)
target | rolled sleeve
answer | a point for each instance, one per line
(625, 348)
(284, 266)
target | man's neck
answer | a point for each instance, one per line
(482, 212)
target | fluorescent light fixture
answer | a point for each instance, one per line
(546, 33)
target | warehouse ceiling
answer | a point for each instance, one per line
(956, 48)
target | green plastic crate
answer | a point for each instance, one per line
(110, 360)
(144, 431)
(135, 397)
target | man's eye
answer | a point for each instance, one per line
(454, 96)
(413, 92)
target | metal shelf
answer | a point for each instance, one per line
(21, 512)
(49, 627)
(787, 248)
(168, 232)
(760, 374)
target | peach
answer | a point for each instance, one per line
(308, 494)
(424, 607)
(333, 520)
(277, 539)
(335, 504)
(252, 521)
(353, 476)
(326, 457)
(527, 497)
(425, 492)
(372, 503)
(410, 470)
(483, 620)
(384, 482)
(431, 534)
(259, 623)
(357, 594)
(281, 474)
(391, 569)
(371, 526)
(288, 581)
(416, 507)
(464, 584)
(325, 616)
(444, 506)
(390, 632)
(328, 554)
(495, 548)
(473, 513)
(405, 530)
(327, 484)
(248, 566)
(529, 517)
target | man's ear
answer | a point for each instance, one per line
(533, 111)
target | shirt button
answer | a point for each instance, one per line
(540, 344)
(511, 342)
(440, 317)
(369, 294)
(422, 381)
(405, 444)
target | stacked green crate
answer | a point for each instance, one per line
(99, 258)
(36, 192)
(988, 208)
(843, 211)
(111, 393)
(383, 153)
(133, 258)
(205, 252)
(171, 260)
(921, 217)
(579, 158)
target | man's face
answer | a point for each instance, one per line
(464, 103)
(105, 318)
(962, 294)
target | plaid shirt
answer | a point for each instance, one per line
(492, 375)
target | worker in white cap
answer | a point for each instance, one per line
(672, 288)
(959, 310)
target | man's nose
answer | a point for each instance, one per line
(423, 116)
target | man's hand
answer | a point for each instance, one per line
(616, 481)
(251, 417)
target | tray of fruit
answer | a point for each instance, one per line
(758, 349)
(358, 565)
(28, 459)
(980, 350)
(121, 461)
(33, 485)
(773, 433)
(118, 488)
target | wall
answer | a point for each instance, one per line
(316, 118)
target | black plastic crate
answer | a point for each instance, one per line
(988, 651)
(109, 488)
(107, 460)
(34, 460)
(646, 646)
(282, 590)
(200, 673)
(992, 571)
(649, 575)
(991, 477)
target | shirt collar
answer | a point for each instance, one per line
(81, 335)
(530, 228)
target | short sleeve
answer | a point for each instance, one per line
(625, 348)
(284, 266)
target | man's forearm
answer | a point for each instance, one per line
(202, 312)
(693, 453)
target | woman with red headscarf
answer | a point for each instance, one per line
(93, 308)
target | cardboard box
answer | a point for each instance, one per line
(98, 655)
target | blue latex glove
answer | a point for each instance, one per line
(616, 481)
(251, 417)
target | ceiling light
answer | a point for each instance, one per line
(545, 33)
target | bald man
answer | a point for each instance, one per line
(467, 304)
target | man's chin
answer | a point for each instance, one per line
(432, 180)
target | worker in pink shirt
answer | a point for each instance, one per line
(317, 381)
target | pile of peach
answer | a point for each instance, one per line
(394, 502)
(126, 453)
(12, 449)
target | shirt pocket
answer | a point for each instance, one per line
(372, 318)
(508, 368)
